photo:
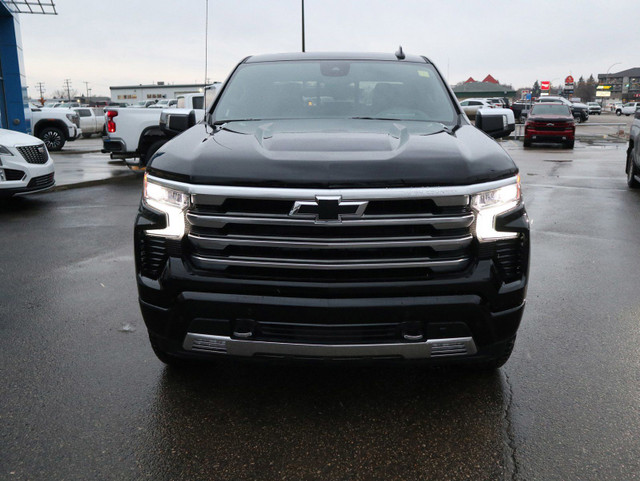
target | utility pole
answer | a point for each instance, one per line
(67, 84)
(40, 87)
(303, 26)
(89, 95)
(206, 39)
(86, 84)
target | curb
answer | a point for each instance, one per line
(76, 152)
(92, 183)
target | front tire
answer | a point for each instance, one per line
(569, 144)
(618, 113)
(526, 143)
(53, 138)
(499, 361)
(169, 359)
(631, 172)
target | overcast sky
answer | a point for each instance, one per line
(123, 42)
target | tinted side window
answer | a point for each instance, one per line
(84, 112)
(198, 102)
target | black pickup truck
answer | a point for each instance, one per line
(333, 206)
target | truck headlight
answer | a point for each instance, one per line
(492, 203)
(173, 203)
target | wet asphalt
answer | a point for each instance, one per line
(83, 396)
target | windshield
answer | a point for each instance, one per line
(550, 109)
(336, 89)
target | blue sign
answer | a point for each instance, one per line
(528, 97)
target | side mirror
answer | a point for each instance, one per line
(496, 122)
(176, 121)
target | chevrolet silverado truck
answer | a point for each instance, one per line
(135, 134)
(90, 123)
(55, 126)
(579, 110)
(633, 153)
(334, 207)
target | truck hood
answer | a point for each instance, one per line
(332, 154)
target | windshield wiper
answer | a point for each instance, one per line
(377, 118)
(219, 123)
(444, 127)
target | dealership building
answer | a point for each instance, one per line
(160, 90)
(14, 99)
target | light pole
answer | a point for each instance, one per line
(607, 78)
(303, 26)
(612, 65)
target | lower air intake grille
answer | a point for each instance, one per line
(335, 334)
(153, 256)
(509, 258)
(11, 174)
(42, 181)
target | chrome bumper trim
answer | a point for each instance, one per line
(433, 348)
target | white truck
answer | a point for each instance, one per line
(55, 126)
(135, 134)
(90, 123)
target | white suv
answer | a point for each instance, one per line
(25, 164)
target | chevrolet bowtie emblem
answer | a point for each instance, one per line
(328, 209)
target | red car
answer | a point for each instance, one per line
(550, 122)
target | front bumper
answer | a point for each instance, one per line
(549, 135)
(467, 315)
(195, 316)
(74, 133)
(22, 178)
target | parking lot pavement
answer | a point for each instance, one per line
(80, 163)
(84, 397)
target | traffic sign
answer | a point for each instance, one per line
(545, 85)
(568, 80)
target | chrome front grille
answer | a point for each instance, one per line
(34, 154)
(260, 233)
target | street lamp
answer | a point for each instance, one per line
(303, 26)
(617, 63)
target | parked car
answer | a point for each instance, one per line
(67, 105)
(594, 108)
(471, 106)
(333, 222)
(497, 102)
(55, 126)
(521, 110)
(627, 109)
(550, 122)
(144, 103)
(25, 164)
(579, 110)
(90, 123)
(164, 104)
(632, 167)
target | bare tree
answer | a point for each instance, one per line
(62, 94)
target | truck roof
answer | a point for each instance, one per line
(280, 57)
